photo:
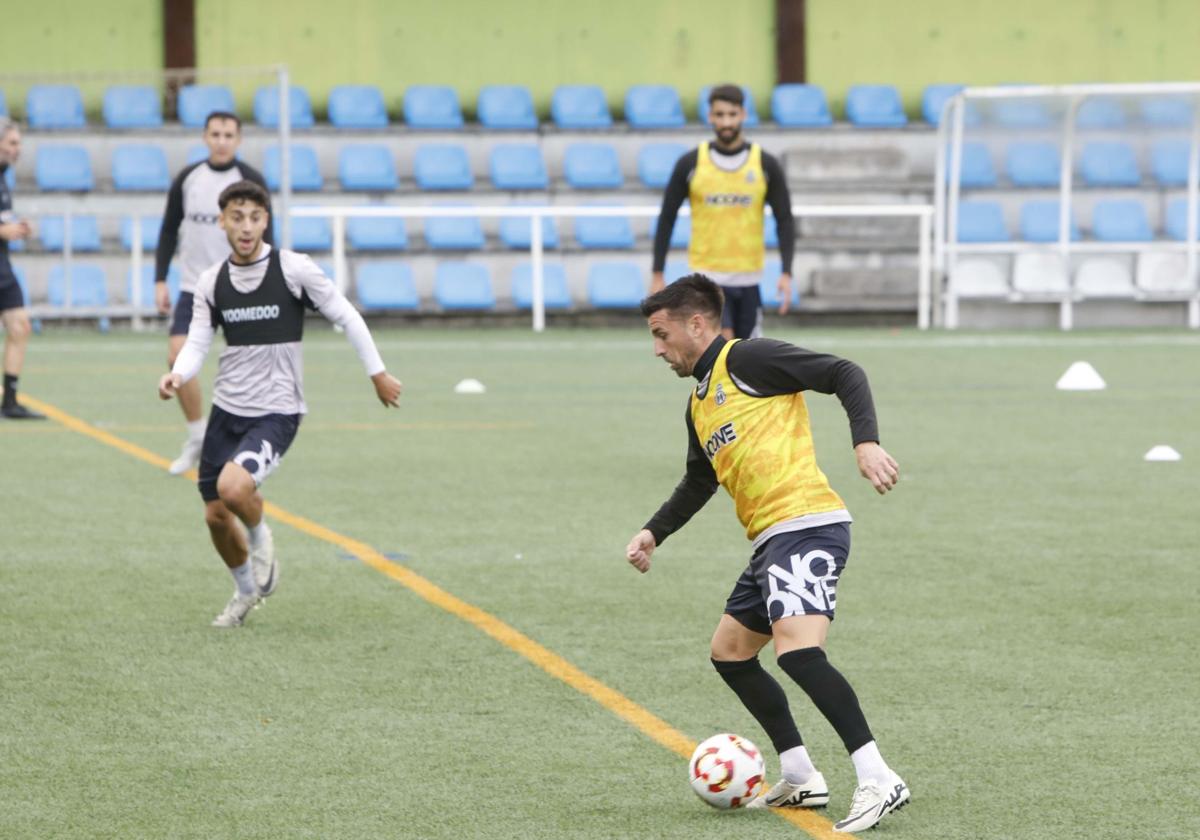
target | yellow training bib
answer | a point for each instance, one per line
(727, 214)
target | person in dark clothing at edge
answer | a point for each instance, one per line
(191, 221)
(727, 183)
(12, 300)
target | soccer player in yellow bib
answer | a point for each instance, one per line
(749, 432)
(727, 183)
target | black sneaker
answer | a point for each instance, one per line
(16, 411)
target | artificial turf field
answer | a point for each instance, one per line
(1019, 617)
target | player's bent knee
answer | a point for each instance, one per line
(235, 485)
(19, 328)
(734, 642)
(216, 515)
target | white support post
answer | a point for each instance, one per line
(924, 276)
(285, 160)
(538, 280)
(341, 277)
(135, 271)
(1193, 311)
(68, 253)
(1066, 312)
(951, 212)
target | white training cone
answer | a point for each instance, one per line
(1080, 377)
(1162, 452)
(469, 386)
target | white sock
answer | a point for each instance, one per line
(196, 429)
(243, 576)
(869, 765)
(797, 767)
(256, 533)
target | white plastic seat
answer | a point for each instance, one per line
(980, 278)
(1163, 274)
(1104, 277)
(1039, 274)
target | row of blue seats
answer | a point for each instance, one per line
(390, 285)
(370, 167)
(506, 107)
(391, 234)
(1113, 220)
(1099, 164)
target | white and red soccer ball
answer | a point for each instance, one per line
(727, 771)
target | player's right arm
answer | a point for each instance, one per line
(673, 197)
(199, 337)
(168, 238)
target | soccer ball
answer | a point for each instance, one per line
(726, 771)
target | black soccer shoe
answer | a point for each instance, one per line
(16, 411)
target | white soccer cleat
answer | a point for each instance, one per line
(813, 793)
(236, 610)
(188, 458)
(872, 803)
(264, 564)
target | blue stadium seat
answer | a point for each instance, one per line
(681, 234)
(674, 269)
(800, 106)
(1167, 112)
(976, 170)
(138, 166)
(386, 284)
(516, 233)
(85, 233)
(751, 111)
(770, 232)
(1176, 225)
(653, 106)
(934, 99)
(1100, 113)
(357, 106)
(63, 168)
(1169, 162)
(1033, 164)
(266, 106)
(368, 167)
(432, 106)
(88, 286)
(1039, 221)
(147, 289)
(463, 285)
(1025, 112)
(875, 106)
(554, 286)
(592, 166)
(580, 106)
(454, 233)
(441, 166)
(306, 174)
(616, 285)
(1121, 220)
(656, 162)
(603, 232)
(768, 286)
(981, 221)
(54, 106)
(151, 227)
(518, 166)
(132, 106)
(1109, 165)
(309, 233)
(376, 233)
(3, 105)
(506, 107)
(196, 102)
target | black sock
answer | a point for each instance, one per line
(10, 389)
(764, 698)
(830, 692)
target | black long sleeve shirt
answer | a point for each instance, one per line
(676, 193)
(770, 368)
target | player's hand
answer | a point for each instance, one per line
(785, 293)
(877, 466)
(639, 550)
(162, 298)
(387, 388)
(15, 230)
(657, 283)
(168, 385)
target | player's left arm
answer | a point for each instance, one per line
(766, 367)
(779, 199)
(320, 292)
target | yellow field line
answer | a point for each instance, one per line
(641, 719)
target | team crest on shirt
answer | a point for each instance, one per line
(720, 395)
(750, 176)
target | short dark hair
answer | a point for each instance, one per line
(222, 115)
(687, 296)
(727, 93)
(244, 191)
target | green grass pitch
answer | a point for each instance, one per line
(1019, 617)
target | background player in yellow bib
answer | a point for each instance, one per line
(727, 182)
(748, 431)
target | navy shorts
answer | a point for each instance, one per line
(11, 296)
(743, 311)
(794, 573)
(181, 317)
(256, 443)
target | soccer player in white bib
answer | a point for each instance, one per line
(258, 297)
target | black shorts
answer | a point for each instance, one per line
(794, 573)
(256, 443)
(181, 316)
(11, 296)
(743, 311)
